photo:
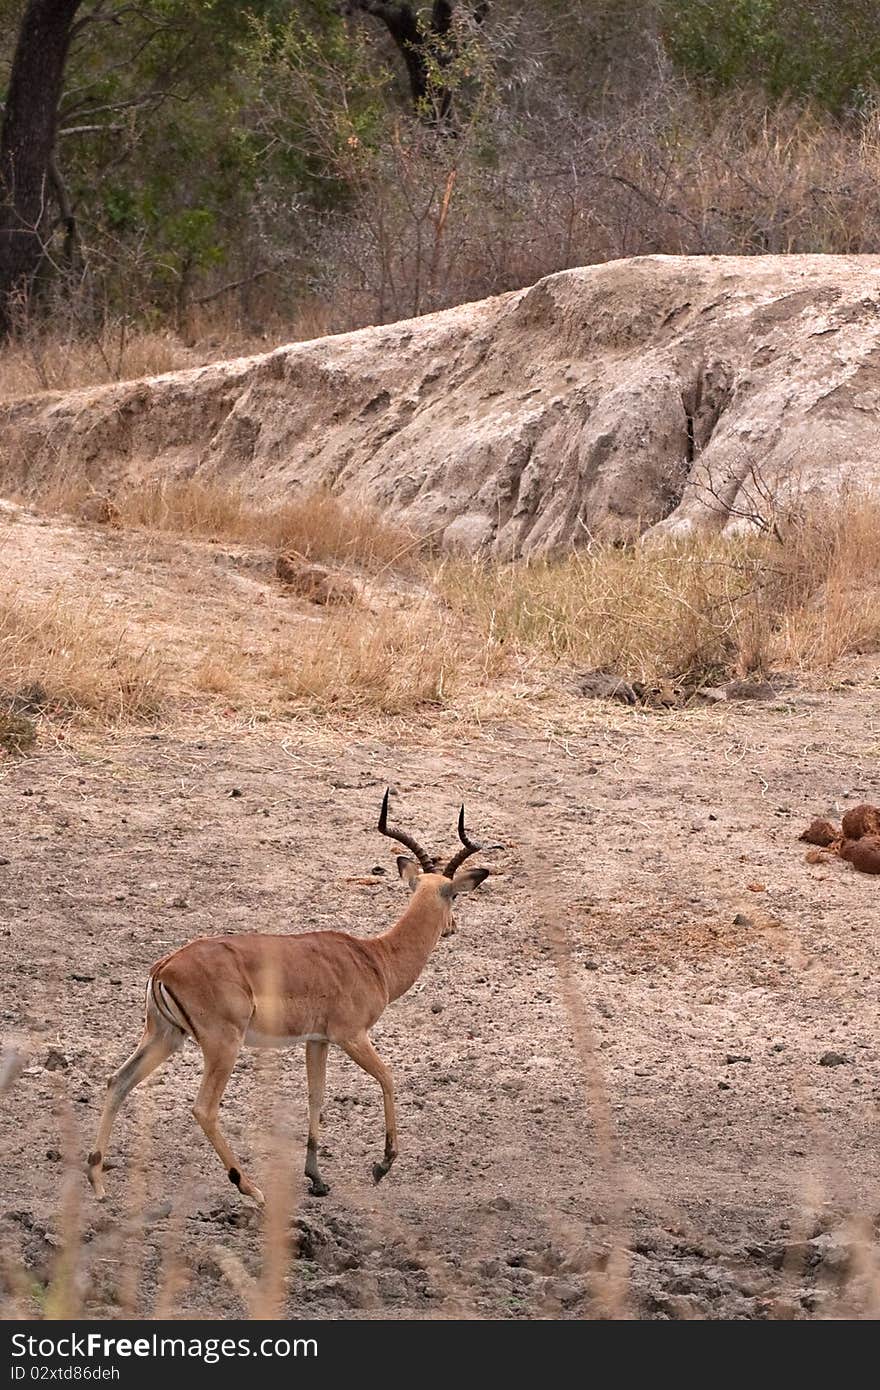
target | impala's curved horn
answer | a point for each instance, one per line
(470, 847)
(424, 859)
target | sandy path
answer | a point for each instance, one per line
(640, 837)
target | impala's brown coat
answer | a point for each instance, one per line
(318, 988)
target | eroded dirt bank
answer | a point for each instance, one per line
(600, 401)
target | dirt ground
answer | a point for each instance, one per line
(611, 1098)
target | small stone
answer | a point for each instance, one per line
(179, 901)
(724, 1085)
(833, 1059)
(833, 1251)
(53, 1155)
(436, 1008)
(733, 1057)
(56, 1061)
(81, 978)
(564, 1292)
(378, 869)
(741, 920)
(235, 791)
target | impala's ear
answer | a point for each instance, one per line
(409, 871)
(466, 879)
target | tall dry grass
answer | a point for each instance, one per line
(60, 656)
(388, 663)
(59, 352)
(46, 359)
(692, 610)
(316, 526)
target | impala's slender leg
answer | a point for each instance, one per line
(155, 1047)
(316, 1071)
(362, 1051)
(219, 1061)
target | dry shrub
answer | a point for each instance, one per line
(428, 222)
(690, 609)
(648, 612)
(17, 733)
(78, 660)
(729, 175)
(433, 224)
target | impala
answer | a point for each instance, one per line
(318, 988)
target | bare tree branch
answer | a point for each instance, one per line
(234, 285)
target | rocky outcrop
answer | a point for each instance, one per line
(659, 392)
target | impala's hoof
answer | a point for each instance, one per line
(379, 1171)
(318, 1188)
(255, 1195)
(93, 1173)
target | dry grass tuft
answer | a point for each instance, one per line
(829, 584)
(75, 659)
(677, 610)
(52, 361)
(389, 664)
(692, 610)
(316, 526)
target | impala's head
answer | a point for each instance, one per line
(424, 875)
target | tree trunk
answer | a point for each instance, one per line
(26, 145)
